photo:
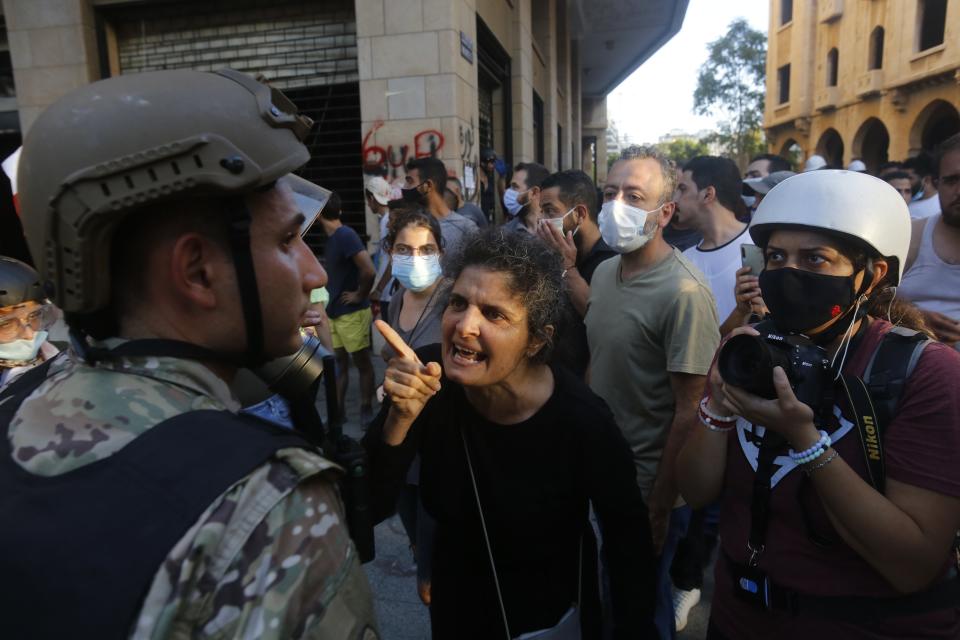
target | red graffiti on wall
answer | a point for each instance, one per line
(426, 144)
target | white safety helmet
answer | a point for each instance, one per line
(857, 165)
(854, 206)
(814, 163)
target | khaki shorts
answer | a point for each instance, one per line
(351, 331)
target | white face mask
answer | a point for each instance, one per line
(557, 223)
(624, 228)
(22, 351)
(749, 201)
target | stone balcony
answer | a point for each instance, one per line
(829, 10)
(826, 98)
(869, 83)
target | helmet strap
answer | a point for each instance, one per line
(238, 219)
(238, 216)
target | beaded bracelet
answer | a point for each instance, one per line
(714, 416)
(809, 470)
(708, 422)
(714, 422)
(813, 452)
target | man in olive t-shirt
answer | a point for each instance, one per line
(652, 329)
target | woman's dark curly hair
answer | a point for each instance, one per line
(534, 274)
(416, 217)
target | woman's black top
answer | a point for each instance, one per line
(535, 479)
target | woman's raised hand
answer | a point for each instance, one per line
(408, 382)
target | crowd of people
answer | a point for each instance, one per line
(593, 392)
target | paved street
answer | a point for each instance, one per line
(393, 574)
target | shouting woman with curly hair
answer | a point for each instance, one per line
(512, 450)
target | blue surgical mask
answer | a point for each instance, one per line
(24, 350)
(416, 273)
(510, 201)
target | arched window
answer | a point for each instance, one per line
(876, 49)
(832, 60)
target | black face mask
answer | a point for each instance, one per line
(800, 300)
(413, 195)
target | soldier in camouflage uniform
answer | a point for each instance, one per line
(270, 556)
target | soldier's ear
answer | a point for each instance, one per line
(197, 270)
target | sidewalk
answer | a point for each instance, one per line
(392, 573)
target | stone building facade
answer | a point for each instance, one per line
(877, 80)
(387, 80)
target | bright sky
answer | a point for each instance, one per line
(658, 97)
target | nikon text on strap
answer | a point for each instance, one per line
(874, 399)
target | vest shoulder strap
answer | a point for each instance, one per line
(875, 397)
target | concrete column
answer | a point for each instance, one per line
(418, 94)
(53, 48)
(522, 83)
(595, 124)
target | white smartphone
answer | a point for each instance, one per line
(752, 256)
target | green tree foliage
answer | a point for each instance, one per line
(680, 150)
(731, 85)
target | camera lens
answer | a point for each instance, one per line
(748, 361)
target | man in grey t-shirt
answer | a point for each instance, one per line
(424, 184)
(652, 330)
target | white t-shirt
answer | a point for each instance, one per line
(720, 267)
(925, 208)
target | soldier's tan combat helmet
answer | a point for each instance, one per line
(107, 148)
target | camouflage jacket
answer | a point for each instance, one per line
(270, 558)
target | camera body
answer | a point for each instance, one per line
(747, 362)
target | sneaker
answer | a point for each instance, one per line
(683, 602)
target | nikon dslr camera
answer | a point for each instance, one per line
(748, 361)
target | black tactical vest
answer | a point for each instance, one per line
(78, 551)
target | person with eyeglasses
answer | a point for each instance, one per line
(415, 245)
(25, 317)
(414, 242)
(932, 278)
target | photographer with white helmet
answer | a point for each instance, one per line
(829, 434)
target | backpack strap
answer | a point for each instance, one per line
(875, 398)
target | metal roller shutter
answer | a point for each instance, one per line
(307, 49)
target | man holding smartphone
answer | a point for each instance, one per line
(708, 197)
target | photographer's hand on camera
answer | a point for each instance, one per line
(715, 382)
(786, 415)
(409, 383)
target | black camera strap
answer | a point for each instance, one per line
(771, 443)
(868, 427)
(873, 399)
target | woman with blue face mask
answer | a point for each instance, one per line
(415, 246)
(25, 316)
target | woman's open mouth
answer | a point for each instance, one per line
(467, 357)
